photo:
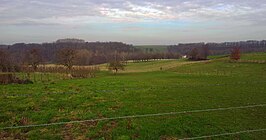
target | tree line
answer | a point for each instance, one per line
(219, 48)
(71, 52)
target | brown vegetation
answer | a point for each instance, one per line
(8, 78)
(235, 53)
(66, 57)
(33, 58)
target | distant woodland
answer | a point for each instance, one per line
(221, 48)
(91, 53)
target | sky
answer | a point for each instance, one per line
(139, 22)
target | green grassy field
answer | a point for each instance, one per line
(156, 48)
(143, 89)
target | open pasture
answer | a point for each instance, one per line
(143, 89)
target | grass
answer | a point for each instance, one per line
(152, 65)
(254, 56)
(142, 89)
(156, 48)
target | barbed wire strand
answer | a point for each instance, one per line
(133, 116)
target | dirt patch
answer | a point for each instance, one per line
(67, 132)
(109, 127)
(24, 121)
(78, 131)
(106, 131)
(129, 124)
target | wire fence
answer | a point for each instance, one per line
(134, 116)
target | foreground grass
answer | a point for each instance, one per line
(142, 89)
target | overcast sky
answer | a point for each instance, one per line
(132, 21)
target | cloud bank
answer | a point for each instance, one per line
(133, 18)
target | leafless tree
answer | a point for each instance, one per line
(115, 66)
(205, 51)
(83, 57)
(34, 58)
(66, 57)
(5, 63)
(194, 54)
(235, 53)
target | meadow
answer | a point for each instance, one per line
(143, 88)
(156, 48)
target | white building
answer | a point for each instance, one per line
(184, 56)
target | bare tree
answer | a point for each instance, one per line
(194, 54)
(34, 58)
(116, 62)
(124, 57)
(83, 57)
(235, 53)
(5, 63)
(66, 57)
(205, 51)
(115, 66)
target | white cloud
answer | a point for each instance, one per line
(135, 10)
(126, 16)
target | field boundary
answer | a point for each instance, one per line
(134, 116)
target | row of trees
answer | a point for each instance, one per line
(202, 53)
(95, 52)
(69, 56)
(70, 52)
(220, 48)
(83, 53)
